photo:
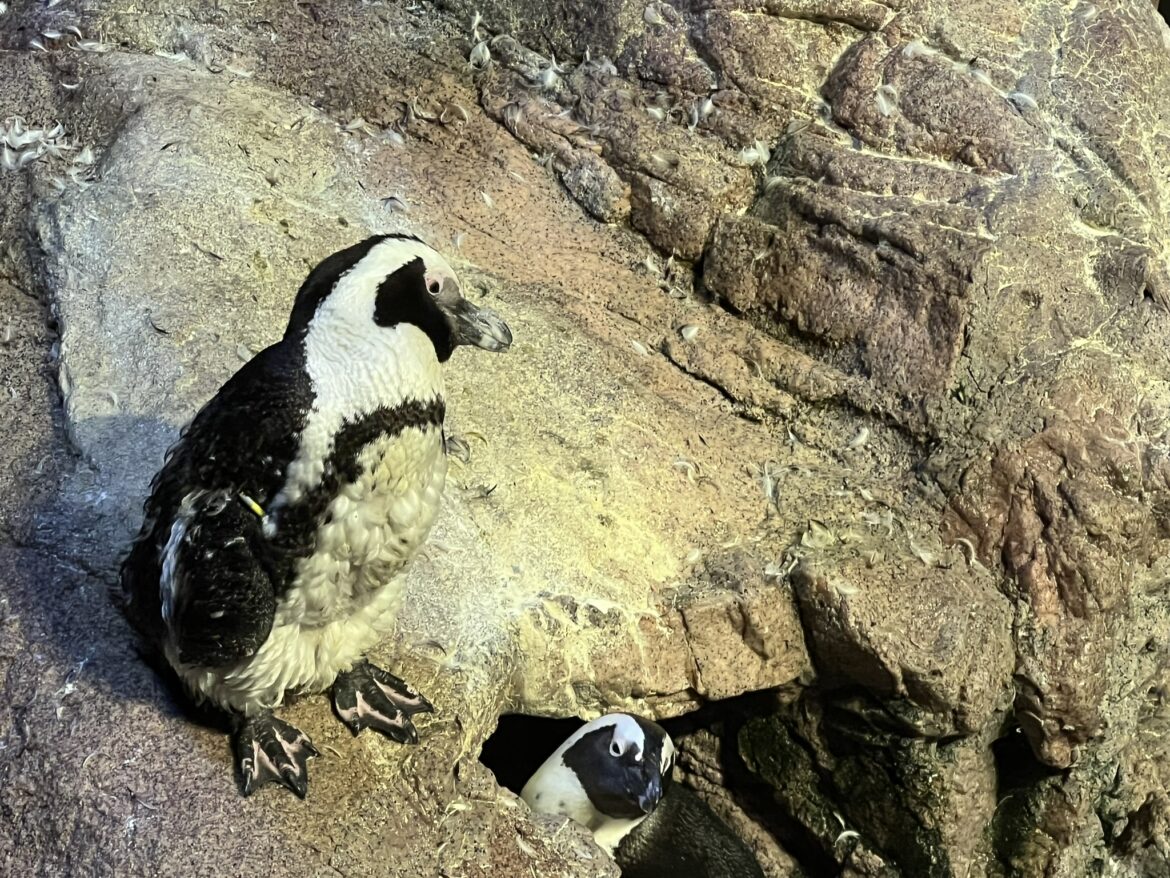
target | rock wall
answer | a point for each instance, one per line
(840, 372)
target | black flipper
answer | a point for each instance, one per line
(269, 750)
(240, 443)
(369, 698)
(222, 596)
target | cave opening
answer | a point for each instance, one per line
(521, 743)
(1017, 769)
(1020, 777)
(709, 762)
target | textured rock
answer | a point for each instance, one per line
(909, 409)
(177, 260)
(839, 769)
(704, 760)
(935, 637)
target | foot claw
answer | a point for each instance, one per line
(269, 750)
(369, 698)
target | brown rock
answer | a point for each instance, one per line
(938, 637)
(922, 422)
(750, 642)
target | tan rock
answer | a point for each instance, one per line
(921, 422)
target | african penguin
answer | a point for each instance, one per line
(274, 531)
(613, 775)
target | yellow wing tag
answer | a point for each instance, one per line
(253, 505)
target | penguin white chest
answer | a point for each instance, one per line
(371, 529)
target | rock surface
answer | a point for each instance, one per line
(840, 370)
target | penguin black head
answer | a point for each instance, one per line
(390, 281)
(608, 775)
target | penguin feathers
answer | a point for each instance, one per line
(307, 482)
(613, 775)
(240, 441)
(276, 528)
(323, 278)
(230, 616)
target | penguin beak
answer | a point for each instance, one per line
(651, 796)
(481, 327)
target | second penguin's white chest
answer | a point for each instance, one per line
(371, 529)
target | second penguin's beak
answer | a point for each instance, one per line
(650, 797)
(481, 327)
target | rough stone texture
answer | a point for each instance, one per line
(928, 800)
(887, 428)
(937, 638)
(210, 197)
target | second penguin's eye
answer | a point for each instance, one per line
(434, 288)
(615, 748)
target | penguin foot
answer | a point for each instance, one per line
(368, 697)
(269, 750)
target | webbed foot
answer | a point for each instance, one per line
(369, 698)
(269, 750)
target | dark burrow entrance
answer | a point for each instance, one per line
(708, 761)
(521, 743)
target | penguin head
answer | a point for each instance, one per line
(387, 282)
(609, 775)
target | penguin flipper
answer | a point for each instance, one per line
(245, 435)
(223, 598)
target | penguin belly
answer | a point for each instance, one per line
(684, 838)
(345, 596)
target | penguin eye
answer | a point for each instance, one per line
(433, 287)
(615, 748)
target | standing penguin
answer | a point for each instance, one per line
(613, 775)
(266, 562)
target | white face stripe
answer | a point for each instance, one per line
(354, 292)
(627, 734)
(628, 731)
